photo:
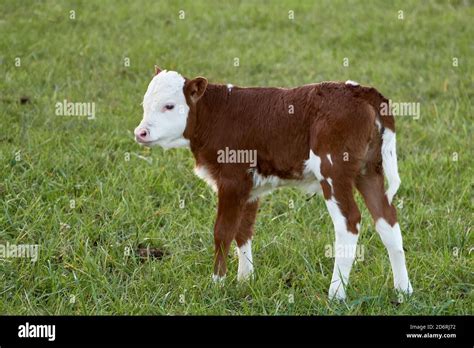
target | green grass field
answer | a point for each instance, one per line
(78, 188)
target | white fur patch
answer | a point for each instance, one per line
(313, 165)
(352, 83)
(329, 158)
(329, 180)
(218, 279)
(229, 87)
(263, 185)
(389, 163)
(392, 239)
(338, 220)
(204, 174)
(165, 126)
(379, 125)
(245, 269)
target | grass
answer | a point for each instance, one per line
(87, 262)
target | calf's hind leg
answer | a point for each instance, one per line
(337, 181)
(346, 217)
(371, 186)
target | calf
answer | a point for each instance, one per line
(328, 137)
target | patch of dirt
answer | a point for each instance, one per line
(147, 252)
(24, 99)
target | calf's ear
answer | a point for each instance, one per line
(196, 88)
(157, 70)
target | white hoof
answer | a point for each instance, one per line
(406, 289)
(218, 279)
(245, 275)
(337, 292)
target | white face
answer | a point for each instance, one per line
(165, 112)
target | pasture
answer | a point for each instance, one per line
(81, 189)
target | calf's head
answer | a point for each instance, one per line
(166, 107)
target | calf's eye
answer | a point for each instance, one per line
(169, 106)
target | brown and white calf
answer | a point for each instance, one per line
(326, 137)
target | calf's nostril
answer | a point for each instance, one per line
(143, 133)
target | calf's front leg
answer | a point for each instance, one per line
(229, 214)
(244, 241)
